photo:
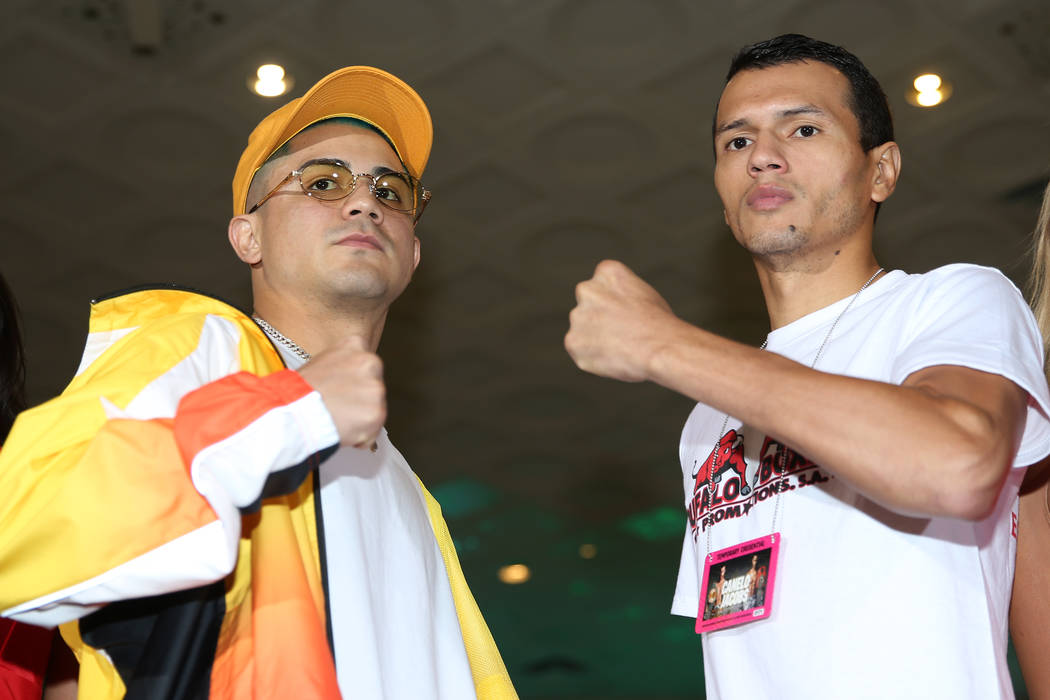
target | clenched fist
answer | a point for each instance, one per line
(350, 381)
(618, 324)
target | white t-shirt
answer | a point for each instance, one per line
(869, 603)
(394, 624)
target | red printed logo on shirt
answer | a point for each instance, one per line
(723, 490)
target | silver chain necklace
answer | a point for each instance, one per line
(725, 420)
(280, 338)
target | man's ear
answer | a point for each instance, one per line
(415, 253)
(887, 170)
(243, 238)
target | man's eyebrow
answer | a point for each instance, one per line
(735, 124)
(804, 109)
(322, 160)
(783, 114)
(377, 171)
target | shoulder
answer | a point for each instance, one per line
(165, 305)
(966, 298)
(961, 291)
(971, 316)
(169, 325)
(960, 278)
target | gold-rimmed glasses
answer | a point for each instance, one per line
(329, 179)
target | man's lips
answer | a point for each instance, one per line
(766, 197)
(360, 240)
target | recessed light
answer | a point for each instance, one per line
(270, 80)
(927, 82)
(930, 90)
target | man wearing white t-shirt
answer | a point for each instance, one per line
(873, 447)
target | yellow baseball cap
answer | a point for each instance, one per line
(360, 92)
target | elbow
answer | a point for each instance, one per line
(976, 478)
(969, 448)
(971, 503)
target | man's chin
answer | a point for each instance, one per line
(777, 239)
(351, 280)
(374, 289)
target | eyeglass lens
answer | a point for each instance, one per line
(330, 181)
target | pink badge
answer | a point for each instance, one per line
(738, 584)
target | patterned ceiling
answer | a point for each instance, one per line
(567, 131)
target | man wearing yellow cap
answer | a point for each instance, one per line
(213, 507)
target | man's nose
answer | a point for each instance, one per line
(766, 155)
(361, 201)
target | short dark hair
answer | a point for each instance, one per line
(12, 362)
(867, 101)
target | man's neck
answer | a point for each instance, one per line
(791, 294)
(315, 329)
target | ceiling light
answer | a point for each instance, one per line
(588, 551)
(927, 82)
(929, 98)
(930, 90)
(514, 573)
(270, 80)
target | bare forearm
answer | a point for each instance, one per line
(939, 444)
(910, 448)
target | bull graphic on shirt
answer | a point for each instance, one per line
(728, 455)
